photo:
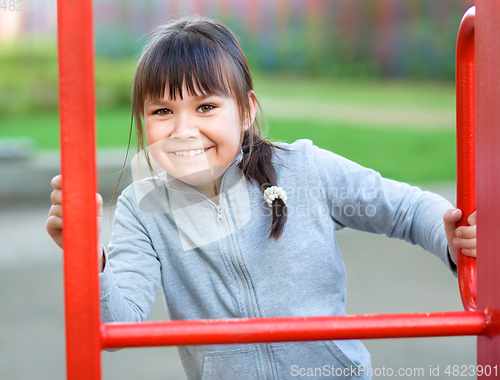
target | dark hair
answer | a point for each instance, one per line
(205, 56)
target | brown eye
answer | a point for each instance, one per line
(163, 112)
(206, 108)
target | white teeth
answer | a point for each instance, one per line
(189, 152)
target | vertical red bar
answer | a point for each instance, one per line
(466, 149)
(77, 118)
(488, 176)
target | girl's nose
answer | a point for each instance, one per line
(184, 130)
(186, 134)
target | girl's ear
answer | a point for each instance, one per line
(252, 99)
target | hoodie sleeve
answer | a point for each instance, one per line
(131, 279)
(360, 198)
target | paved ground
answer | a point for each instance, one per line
(385, 276)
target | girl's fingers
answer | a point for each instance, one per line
(56, 197)
(450, 218)
(56, 182)
(55, 230)
(54, 225)
(469, 252)
(56, 210)
(464, 243)
(466, 232)
(464, 237)
(100, 211)
(99, 200)
(472, 219)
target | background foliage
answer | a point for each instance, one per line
(387, 54)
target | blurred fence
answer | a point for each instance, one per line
(414, 38)
(354, 38)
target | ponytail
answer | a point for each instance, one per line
(257, 165)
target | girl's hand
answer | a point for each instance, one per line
(462, 237)
(54, 222)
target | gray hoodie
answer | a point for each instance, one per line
(216, 261)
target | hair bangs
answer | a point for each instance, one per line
(185, 62)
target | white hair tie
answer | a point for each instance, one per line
(272, 193)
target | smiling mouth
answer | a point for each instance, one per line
(190, 153)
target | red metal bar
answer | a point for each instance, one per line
(293, 329)
(466, 149)
(86, 336)
(488, 173)
(77, 118)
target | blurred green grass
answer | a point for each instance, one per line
(28, 107)
(422, 95)
(408, 155)
(413, 156)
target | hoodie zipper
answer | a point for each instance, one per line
(248, 292)
(219, 214)
(236, 265)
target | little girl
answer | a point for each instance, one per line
(234, 226)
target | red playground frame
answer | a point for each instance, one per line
(478, 112)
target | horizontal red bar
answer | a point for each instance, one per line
(227, 331)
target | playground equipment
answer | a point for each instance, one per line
(87, 336)
(466, 149)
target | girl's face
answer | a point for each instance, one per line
(197, 137)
